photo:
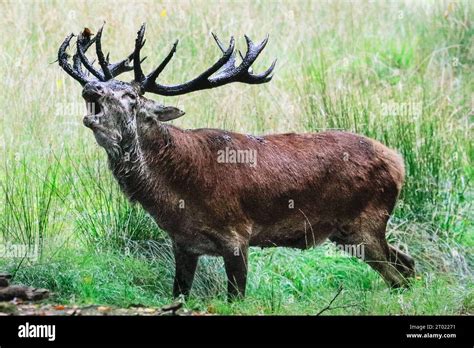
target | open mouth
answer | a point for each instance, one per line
(94, 112)
(93, 108)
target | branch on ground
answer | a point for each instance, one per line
(9, 292)
(329, 306)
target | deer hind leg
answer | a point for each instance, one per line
(393, 265)
(379, 257)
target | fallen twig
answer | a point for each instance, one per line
(328, 307)
(9, 292)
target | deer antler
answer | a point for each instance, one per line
(76, 71)
(229, 72)
(222, 72)
(83, 42)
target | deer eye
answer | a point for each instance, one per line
(131, 96)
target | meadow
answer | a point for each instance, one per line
(400, 72)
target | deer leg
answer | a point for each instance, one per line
(235, 263)
(185, 269)
(378, 256)
(376, 252)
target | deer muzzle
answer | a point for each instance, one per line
(90, 121)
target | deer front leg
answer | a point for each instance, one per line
(185, 268)
(235, 262)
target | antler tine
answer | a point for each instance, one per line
(137, 68)
(83, 43)
(255, 79)
(87, 42)
(63, 62)
(252, 52)
(155, 73)
(76, 62)
(218, 42)
(230, 64)
(100, 55)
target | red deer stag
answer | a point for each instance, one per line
(296, 190)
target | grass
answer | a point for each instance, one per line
(398, 72)
(275, 286)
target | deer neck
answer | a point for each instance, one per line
(140, 182)
(127, 165)
(174, 157)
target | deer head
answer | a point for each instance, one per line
(114, 105)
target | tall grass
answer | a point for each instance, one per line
(28, 216)
(104, 218)
(400, 72)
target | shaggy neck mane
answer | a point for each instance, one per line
(127, 165)
(158, 167)
(142, 166)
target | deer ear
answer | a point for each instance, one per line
(168, 113)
